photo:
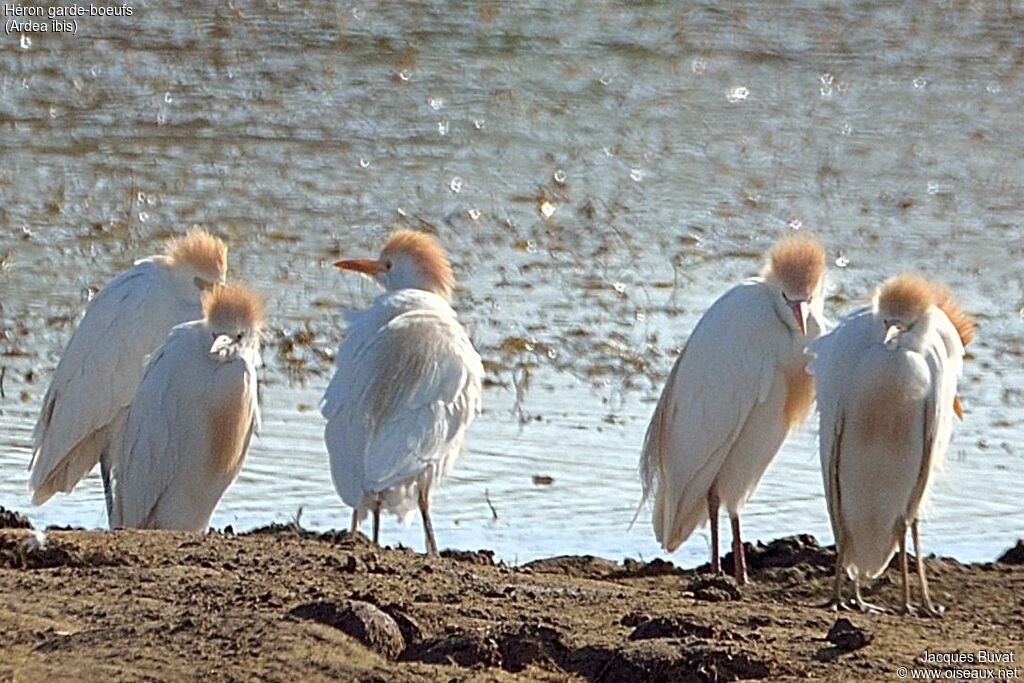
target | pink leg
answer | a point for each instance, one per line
(716, 565)
(927, 607)
(428, 528)
(739, 560)
(376, 521)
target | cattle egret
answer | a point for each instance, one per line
(407, 385)
(887, 379)
(737, 389)
(189, 426)
(83, 411)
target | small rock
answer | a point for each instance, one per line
(847, 637)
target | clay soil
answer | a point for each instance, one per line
(284, 604)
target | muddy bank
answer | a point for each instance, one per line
(287, 604)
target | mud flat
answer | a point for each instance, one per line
(282, 603)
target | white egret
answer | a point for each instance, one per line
(407, 385)
(189, 426)
(736, 390)
(84, 407)
(887, 379)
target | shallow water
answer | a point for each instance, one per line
(600, 173)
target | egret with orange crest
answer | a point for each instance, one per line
(887, 393)
(737, 389)
(189, 426)
(406, 387)
(85, 405)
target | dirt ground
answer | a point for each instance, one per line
(284, 604)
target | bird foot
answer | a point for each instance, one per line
(865, 607)
(927, 610)
(833, 604)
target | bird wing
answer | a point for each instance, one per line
(834, 358)
(165, 432)
(400, 401)
(830, 472)
(727, 366)
(943, 353)
(98, 374)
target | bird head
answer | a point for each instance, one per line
(905, 305)
(409, 260)
(233, 314)
(201, 258)
(901, 303)
(795, 270)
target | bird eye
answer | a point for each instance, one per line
(238, 337)
(387, 264)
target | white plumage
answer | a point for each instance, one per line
(406, 387)
(84, 407)
(886, 380)
(736, 390)
(189, 425)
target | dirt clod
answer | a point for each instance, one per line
(656, 567)
(482, 557)
(9, 519)
(714, 588)
(27, 552)
(670, 627)
(465, 649)
(366, 623)
(1014, 555)
(801, 550)
(582, 566)
(847, 637)
(409, 627)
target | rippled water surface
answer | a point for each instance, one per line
(600, 172)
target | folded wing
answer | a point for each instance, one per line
(97, 376)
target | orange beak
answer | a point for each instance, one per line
(362, 265)
(800, 311)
